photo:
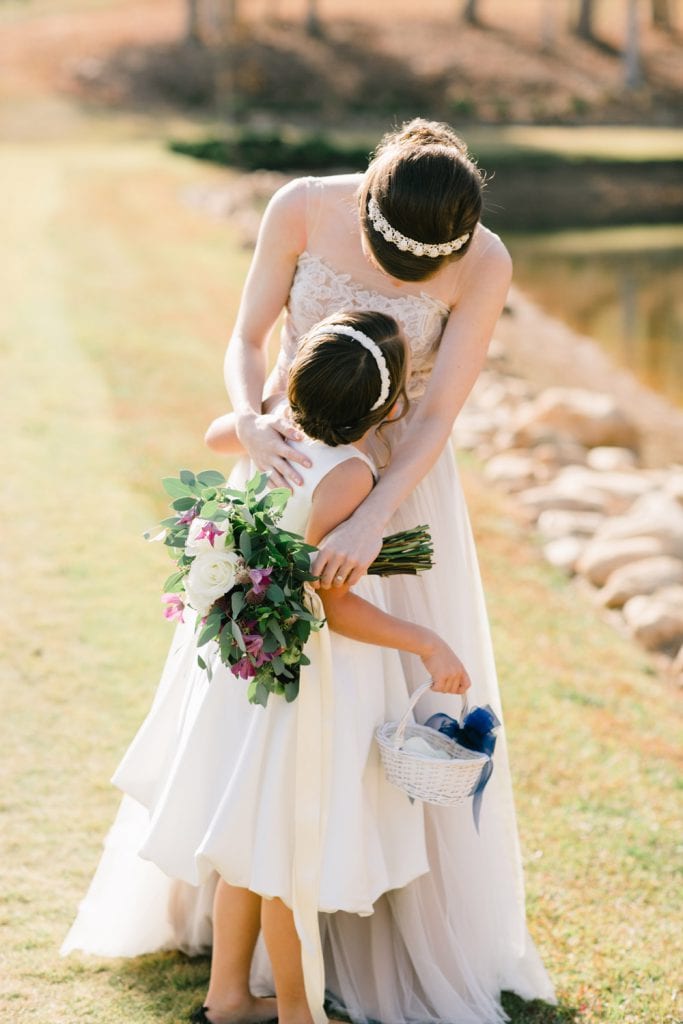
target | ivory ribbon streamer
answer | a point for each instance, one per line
(311, 806)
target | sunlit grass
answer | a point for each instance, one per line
(119, 299)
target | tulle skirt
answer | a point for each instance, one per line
(425, 922)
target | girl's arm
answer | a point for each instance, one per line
(350, 548)
(335, 498)
(282, 238)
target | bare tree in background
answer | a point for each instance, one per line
(584, 22)
(632, 71)
(470, 12)
(192, 33)
(313, 23)
(661, 15)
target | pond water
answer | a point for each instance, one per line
(621, 286)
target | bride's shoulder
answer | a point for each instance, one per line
(489, 254)
(299, 203)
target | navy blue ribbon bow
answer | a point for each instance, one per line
(475, 733)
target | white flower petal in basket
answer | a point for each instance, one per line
(418, 745)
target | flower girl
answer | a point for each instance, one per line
(288, 805)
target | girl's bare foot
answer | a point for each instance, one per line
(249, 1011)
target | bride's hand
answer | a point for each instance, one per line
(265, 439)
(345, 554)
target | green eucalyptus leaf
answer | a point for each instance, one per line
(183, 504)
(274, 627)
(237, 602)
(275, 593)
(291, 691)
(187, 477)
(210, 630)
(211, 478)
(175, 487)
(237, 633)
(174, 583)
(245, 545)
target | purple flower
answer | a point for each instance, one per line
(174, 607)
(188, 516)
(260, 579)
(243, 668)
(209, 532)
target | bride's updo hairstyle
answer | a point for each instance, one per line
(423, 184)
(338, 387)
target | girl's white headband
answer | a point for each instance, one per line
(374, 349)
(405, 244)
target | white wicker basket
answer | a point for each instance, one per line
(436, 781)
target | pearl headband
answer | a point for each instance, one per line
(405, 244)
(374, 349)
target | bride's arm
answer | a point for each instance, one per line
(282, 237)
(349, 549)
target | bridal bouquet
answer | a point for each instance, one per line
(249, 580)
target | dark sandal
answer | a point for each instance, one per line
(199, 1016)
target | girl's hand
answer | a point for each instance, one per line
(345, 554)
(265, 439)
(444, 666)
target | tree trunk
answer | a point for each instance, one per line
(470, 12)
(632, 72)
(548, 24)
(584, 23)
(192, 33)
(313, 24)
(661, 15)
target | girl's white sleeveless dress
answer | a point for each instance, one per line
(422, 919)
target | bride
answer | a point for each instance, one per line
(403, 239)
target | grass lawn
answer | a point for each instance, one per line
(117, 303)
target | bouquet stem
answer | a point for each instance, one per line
(405, 553)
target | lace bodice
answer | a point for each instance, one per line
(318, 290)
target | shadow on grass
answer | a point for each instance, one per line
(169, 984)
(537, 1011)
(173, 985)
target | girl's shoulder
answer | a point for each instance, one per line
(325, 459)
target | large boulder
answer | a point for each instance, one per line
(514, 471)
(600, 558)
(583, 489)
(656, 620)
(564, 552)
(591, 418)
(610, 458)
(557, 522)
(657, 515)
(643, 577)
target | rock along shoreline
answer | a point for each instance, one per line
(595, 466)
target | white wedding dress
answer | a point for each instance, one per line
(422, 919)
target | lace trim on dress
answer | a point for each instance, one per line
(318, 290)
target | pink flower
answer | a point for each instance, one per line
(260, 579)
(174, 607)
(209, 532)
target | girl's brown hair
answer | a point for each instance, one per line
(334, 381)
(428, 188)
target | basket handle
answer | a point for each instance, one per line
(421, 690)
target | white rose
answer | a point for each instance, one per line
(211, 575)
(195, 546)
